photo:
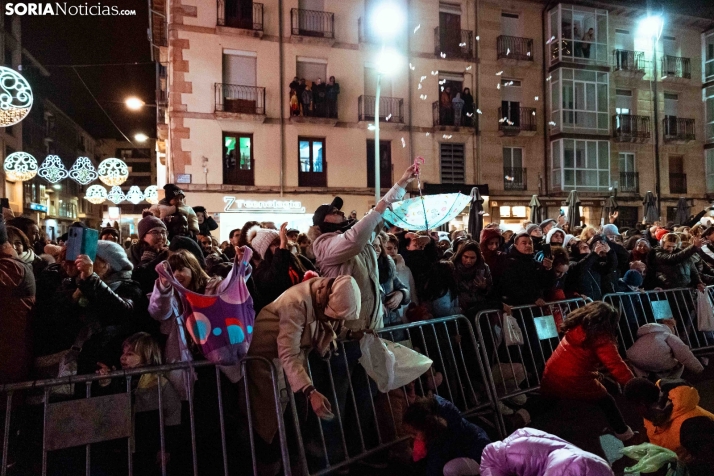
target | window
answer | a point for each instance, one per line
(623, 101)
(238, 159)
(584, 104)
(710, 169)
(580, 164)
(514, 177)
(628, 176)
(452, 163)
(708, 57)
(312, 170)
(677, 177)
(709, 113)
(140, 166)
(577, 34)
(385, 163)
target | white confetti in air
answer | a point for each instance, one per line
(468, 68)
(417, 28)
(508, 51)
(550, 41)
(442, 81)
(533, 113)
(477, 38)
(469, 114)
(434, 73)
(536, 98)
(478, 111)
(498, 86)
(422, 79)
(442, 88)
(551, 123)
(411, 67)
(428, 134)
(370, 127)
(462, 44)
(509, 178)
(404, 143)
(388, 117)
(447, 136)
(509, 123)
(419, 87)
(502, 120)
(422, 97)
(443, 55)
(528, 54)
(499, 73)
(548, 78)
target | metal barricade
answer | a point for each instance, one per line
(367, 423)
(517, 369)
(47, 435)
(640, 308)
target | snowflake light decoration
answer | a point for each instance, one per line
(134, 195)
(113, 171)
(52, 169)
(96, 194)
(116, 195)
(20, 166)
(83, 171)
(15, 97)
(151, 194)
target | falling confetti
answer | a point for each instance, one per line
(422, 79)
(370, 127)
(509, 178)
(536, 98)
(388, 117)
(548, 78)
(498, 86)
(442, 88)
(443, 55)
(477, 38)
(528, 54)
(478, 111)
(551, 123)
(550, 41)
(417, 28)
(434, 73)
(462, 44)
(502, 120)
(468, 68)
(469, 114)
(509, 123)
(404, 143)
(499, 73)
(411, 67)
(428, 134)
(419, 87)
(533, 113)
(422, 97)
(442, 81)
(508, 51)
(447, 136)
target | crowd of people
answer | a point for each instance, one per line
(321, 291)
(456, 108)
(316, 99)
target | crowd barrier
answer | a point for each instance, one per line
(367, 423)
(516, 370)
(216, 435)
(640, 308)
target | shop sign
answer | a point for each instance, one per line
(38, 207)
(234, 205)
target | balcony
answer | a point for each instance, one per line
(629, 182)
(515, 121)
(390, 109)
(444, 117)
(677, 183)
(241, 14)
(675, 68)
(630, 128)
(514, 178)
(239, 99)
(514, 48)
(678, 129)
(452, 44)
(312, 23)
(628, 64)
(158, 31)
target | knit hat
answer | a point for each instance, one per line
(171, 191)
(660, 233)
(545, 222)
(632, 278)
(610, 229)
(262, 240)
(531, 227)
(114, 255)
(345, 299)
(146, 224)
(111, 231)
(188, 244)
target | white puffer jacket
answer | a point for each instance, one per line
(658, 350)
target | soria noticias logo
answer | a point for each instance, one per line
(65, 9)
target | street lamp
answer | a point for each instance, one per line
(141, 137)
(134, 103)
(387, 22)
(651, 28)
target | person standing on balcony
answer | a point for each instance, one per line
(333, 90)
(588, 38)
(306, 100)
(319, 97)
(458, 106)
(446, 113)
(468, 106)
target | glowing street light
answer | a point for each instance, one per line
(651, 27)
(141, 137)
(387, 20)
(134, 103)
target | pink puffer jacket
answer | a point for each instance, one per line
(531, 452)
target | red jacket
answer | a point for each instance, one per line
(572, 370)
(17, 298)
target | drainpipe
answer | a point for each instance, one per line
(281, 78)
(476, 84)
(545, 103)
(409, 79)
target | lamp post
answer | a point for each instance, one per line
(387, 21)
(651, 28)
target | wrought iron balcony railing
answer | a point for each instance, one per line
(514, 178)
(515, 120)
(234, 14)
(312, 23)
(241, 99)
(675, 66)
(390, 109)
(630, 128)
(514, 47)
(629, 182)
(627, 60)
(678, 129)
(442, 116)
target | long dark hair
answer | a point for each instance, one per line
(468, 246)
(440, 281)
(185, 259)
(423, 415)
(598, 319)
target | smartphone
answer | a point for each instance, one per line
(4, 203)
(547, 251)
(81, 241)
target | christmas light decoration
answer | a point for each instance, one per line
(20, 166)
(113, 171)
(52, 169)
(151, 194)
(96, 194)
(116, 195)
(15, 97)
(83, 171)
(134, 195)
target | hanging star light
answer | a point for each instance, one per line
(52, 169)
(96, 194)
(83, 171)
(113, 171)
(134, 195)
(20, 166)
(151, 194)
(15, 97)
(116, 195)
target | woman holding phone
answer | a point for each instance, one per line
(473, 278)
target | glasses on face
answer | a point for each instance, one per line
(157, 232)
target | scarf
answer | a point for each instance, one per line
(333, 227)
(323, 341)
(28, 256)
(466, 274)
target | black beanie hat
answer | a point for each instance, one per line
(188, 244)
(172, 190)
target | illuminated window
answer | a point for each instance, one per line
(312, 166)
(238, 159)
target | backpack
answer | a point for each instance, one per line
(221, 325)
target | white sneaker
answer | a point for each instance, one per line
(505, 410)
(519, 400)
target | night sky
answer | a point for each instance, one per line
(66, 40)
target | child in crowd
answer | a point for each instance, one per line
(572, 371)
(141, 350)
(696, 438)
(665, 406)
(659, 353)
(449, 444)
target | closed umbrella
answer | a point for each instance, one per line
(681, 216)
(535, 210)
(475, 214)
(609, 208)
(650, 204)
(573, 203)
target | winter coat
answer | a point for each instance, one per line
(276, 276)
(523, 280)
(332, 91)
(588, 275)
(391, 284)
(531, 452)
(462, 439)
(351, 254)
(208, 225)
(166, 307)
(676, 270)
(164, 209)
(470, 295)
(283, 330)
(446, 305)
(572, 370)
(496, 260)
(17, 297)
(685, 405)
(658, 350)
(706, 273)
(406, 278)
(61, 315)
(145, 260)
(319, 91)
(306, 97)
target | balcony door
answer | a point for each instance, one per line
(239, 14)
(238, 92)
(671, 106)
(238, 162)
(449, 28)
(623, 107)
(385, 163)
(511, 96)
(510, 25)
(312, 171)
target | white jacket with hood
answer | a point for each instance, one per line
(658, 350)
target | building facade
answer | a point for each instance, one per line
(562, 100)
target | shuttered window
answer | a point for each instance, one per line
(452, 163)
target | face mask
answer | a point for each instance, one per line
(333, 227)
